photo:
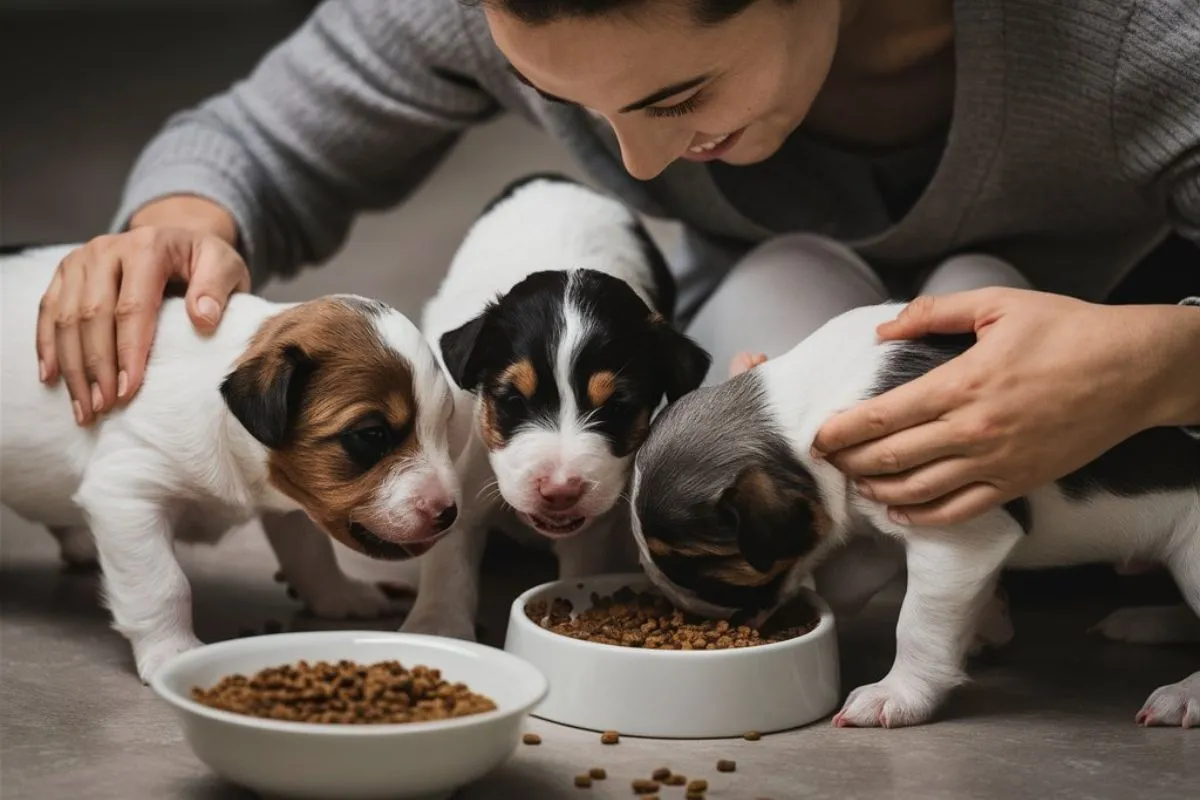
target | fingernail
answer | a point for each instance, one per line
(97, 397)
(122, 384)
(864, 489)
(43, 373)
(817, 455)
(898, 517)
(78, 412)
(208, 308)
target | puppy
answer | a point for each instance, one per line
(553, 323)
(335, 407)
(732, 513)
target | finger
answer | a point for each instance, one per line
(143, 281)
(97, 334)
(910, 404)
(217, 271)
(928, 484)
(959, 506)
(901, 451)
(961, 312)
(47, 314)
(66, 338)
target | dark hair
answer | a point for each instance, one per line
(537, 12)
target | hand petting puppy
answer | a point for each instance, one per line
(1051, 383)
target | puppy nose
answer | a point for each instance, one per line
(446, 517)
(559, 495)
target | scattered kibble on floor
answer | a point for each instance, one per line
(661, 774)
(698, 786)
(643, 786)
(583, 781)
(531, 738)
(676, 780)
(610, 737)
(751, 736)
(725, 765)
(598, 773)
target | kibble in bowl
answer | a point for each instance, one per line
(352, 715)
(619, 657)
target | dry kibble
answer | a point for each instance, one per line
(531, 738)
(676, 780)
(385, 693)
(583, 781)
(698, 786)
(725, 765)
(643, 619)
(610, 737)
(661, 774)
(643, 786)
(751, 736)
(598, 773)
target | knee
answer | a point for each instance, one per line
(802, 254)
(970, 271)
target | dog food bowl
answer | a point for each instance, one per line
(697, 694)
(353, 762)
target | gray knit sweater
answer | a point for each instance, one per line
(1074, 144)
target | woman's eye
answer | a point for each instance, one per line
(367, 445)
(678, 110)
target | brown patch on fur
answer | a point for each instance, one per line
(488, 429)
(658, 547)
(601, 387)
(522, 377)
(356, 375)
(740, 573)
(756, 488)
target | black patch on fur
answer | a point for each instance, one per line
(688, 508)
(18, 247)
(377, 548)
(649, 357)
(269, 414)
(1155, 460)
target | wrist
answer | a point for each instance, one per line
(1175, 394)
(188, 212)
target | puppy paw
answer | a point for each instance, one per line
(1150, 625)
(151, 656)
(351, 599)
(1175, 705)
(887, 704)
(449, 626)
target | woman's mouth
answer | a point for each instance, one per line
(713, 148)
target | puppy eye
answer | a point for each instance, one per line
(512, 399)
(367, 444)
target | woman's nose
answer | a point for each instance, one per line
(646, 151)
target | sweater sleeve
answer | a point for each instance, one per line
(349, 113)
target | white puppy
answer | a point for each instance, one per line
(731, 512)
(335, 407)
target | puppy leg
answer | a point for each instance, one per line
(448, 598)
(951, 575)
(1175, 624)
(76, 547)
(1179, 703)
(143, 584)
(310, 566)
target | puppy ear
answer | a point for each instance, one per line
(683, 363)
(460, 354)
(265, 393)
(772, 516)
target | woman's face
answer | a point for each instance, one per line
(671, 87)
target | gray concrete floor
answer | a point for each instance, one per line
(1052, 716)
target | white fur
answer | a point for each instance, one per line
(952, 571)
(498, 253)
(174, 464)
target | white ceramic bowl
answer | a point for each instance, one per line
(353, 762)
(695, 694)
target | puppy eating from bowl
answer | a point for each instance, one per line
(553, 323)
(336, 408)
(732, 513)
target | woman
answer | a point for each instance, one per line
(948, 146)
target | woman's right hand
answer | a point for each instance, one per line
(97, 319)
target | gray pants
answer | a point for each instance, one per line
(788, 287)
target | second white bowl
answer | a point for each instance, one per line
(672, 693)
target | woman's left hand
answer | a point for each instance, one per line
(1050, 384)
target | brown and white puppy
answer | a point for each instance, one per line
(732, 513)
(335, 407)
(554, 322)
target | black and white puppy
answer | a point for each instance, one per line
(554, 322)
(731, 512)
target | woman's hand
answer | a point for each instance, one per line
(98, 316)
(1051, 383)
